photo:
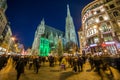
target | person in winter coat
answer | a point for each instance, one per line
(36, 64)
(20, 67)
(63, 63)
(75, 63)
(80, 63)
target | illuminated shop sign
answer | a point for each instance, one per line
(118, 45)
(109, 42)
(93, 45)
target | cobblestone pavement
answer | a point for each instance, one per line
(52, 73)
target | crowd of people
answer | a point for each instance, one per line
(75, 62)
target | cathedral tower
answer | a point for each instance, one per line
(70, 33)
(40, 30)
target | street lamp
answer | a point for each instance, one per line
(12, 39)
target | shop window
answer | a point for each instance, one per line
(86, 26)
(101, 18)
(88, 41)
(91, 41)
(112, 6)
(104, 28)
(1, 18)
(96, 40)
(98, 11)
(88, 33)
(115, 13)
(108, 37)
(106, 8)
(91, 32)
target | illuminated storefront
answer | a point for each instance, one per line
(101, 24)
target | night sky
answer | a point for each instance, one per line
(25, 15)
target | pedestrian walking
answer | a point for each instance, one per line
(20, 67)
(51, 61)
(30, 62)
(36, 64)
(63, 63)
(75, 63)
(80, 64)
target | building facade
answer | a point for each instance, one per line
(5, 29)
(6, 35)
(46, 39)
(3, 21)
(101, 26)
(81, 40)
(3, 5)
(3, 25)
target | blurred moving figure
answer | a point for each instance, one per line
(20, 67)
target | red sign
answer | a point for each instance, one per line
(103, 45)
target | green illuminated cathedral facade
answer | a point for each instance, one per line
(46, 39)
(49, 39)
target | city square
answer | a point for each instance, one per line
(74, 40)
(55, 73)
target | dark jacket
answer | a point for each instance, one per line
(20, 66)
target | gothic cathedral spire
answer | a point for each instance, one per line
(42, 22)
(68, 10)
(70, 33)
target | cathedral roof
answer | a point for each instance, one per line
(53, 30)
(49, 30)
